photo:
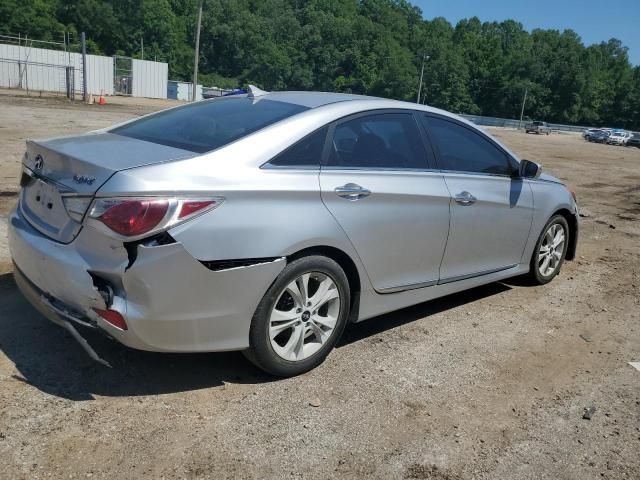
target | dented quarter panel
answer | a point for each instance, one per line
(174, 303)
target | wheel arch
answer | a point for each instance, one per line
(346, 263)
(573, 231)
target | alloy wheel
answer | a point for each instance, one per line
(304, 316)
(551, 250)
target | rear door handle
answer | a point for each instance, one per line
(352, 191)
(465, 198)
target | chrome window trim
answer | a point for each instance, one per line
(62, 189)
(290, 168)
(479, 174)
(380, 169)
(543, 180)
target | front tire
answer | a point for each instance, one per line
(550, 251)
(300, 318)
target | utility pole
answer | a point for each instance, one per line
(425, 57)
(524, 100)
(142, 48)
(197, 55)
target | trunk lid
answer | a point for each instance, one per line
(79, 166)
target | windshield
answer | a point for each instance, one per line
(204, 126)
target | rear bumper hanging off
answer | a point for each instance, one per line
(58, 313)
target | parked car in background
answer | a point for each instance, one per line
(599, 137)
(267, 222)
(538, 127)
(212, 92)
(619, 137)
(590, 131)
(634, 141)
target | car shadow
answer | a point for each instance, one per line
(515, 190)
(389, 321)
(48, 358)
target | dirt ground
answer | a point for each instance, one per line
(487, 384)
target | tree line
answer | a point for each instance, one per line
(373, 47)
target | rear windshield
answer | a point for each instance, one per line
(204, 126)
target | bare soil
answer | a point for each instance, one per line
(486, 384)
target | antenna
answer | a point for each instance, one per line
(256, 92)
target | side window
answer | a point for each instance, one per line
(463, 150)
(306, 153)
(386, 140)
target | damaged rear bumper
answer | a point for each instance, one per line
(57, 313)
(171, 301)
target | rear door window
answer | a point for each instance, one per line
(463, 150)
(204, 126)
(386, 140)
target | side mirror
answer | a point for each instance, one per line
(529, 169)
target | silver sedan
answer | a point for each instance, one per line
(267, 222)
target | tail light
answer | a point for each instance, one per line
(572, 191)
(133, 218)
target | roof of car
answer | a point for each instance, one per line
(317, 99)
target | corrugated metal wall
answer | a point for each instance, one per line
(99, 74)
(32, 68)
(149, 79)
(45, 71)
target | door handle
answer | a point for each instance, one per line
(352, 191)
(465, 198)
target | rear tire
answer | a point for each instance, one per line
(550, 251)
(300, 318)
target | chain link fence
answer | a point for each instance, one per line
(122, 75)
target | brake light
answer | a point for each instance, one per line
(134, 218)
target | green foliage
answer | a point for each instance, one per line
(372, 47)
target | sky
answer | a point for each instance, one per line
(594, 20)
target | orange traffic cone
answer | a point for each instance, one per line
(102, 101)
